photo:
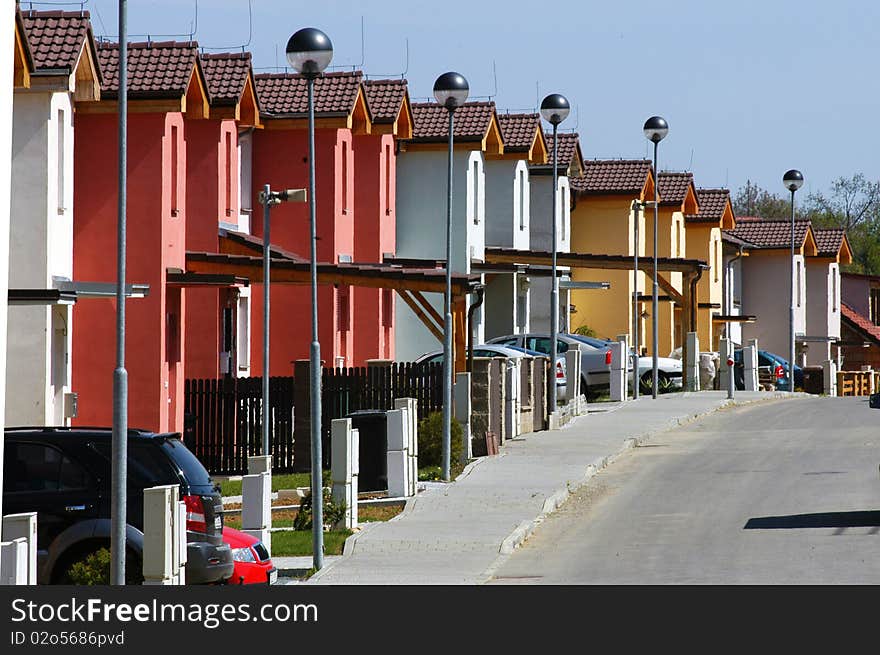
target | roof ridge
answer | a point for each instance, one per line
(146, 45)
(55, 13)
(396, 81)
(225, 55)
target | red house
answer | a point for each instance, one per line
(280, 159)
(217, 323)
(167, 91)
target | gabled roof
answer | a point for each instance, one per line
(474, 122)
(614, 177)
(715, 207)
(389, 105)
(61, 43)
(230, 80)
(832, 242)
(286, 94)
(568, 154)
(23, 60)
(155, 69)
(522, 134)
(769, 234)
(859, 323)
(677, 189)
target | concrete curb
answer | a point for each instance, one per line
(553, 502)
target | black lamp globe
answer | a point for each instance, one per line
(309, 51)
(451, 90)
(793, 180)
(656, 129)
(555, 108)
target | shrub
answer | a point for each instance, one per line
(333, 512)
(93, 569)
(431, 440)
(585, 331)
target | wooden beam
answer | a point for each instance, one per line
(460, 327)
(666, 285)
(428, 307)
(424, 318)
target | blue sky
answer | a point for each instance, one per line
(749, 88)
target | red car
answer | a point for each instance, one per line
(251, 558)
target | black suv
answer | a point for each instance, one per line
(63, 474)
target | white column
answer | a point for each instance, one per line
(397, 426)
(619, 358)
(572, 374)
(412, 407)
(693, 362)
(161, 558)
(256, 507)
(829, 377)
(725, 350)
(14, 562)
(24, 526)
(342, 460)
(750, 365)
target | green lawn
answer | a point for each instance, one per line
(299, 542)
(287, 481)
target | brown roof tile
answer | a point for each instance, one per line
(769, 233)
(286, 94)
(384, 99)
(56, 38)
(673, 187)
(155, 69)
(431, 121)
(712, 203)
(226, 74)
(859, 322)
(518, 131)
(609, 176)
(568, 151)
(829, 240)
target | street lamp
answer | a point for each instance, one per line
(793, 180)
(655, 130)
(309, 52)
(554, 110)
(451, 91)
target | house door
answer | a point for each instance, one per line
(228, 333)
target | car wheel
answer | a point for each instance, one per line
(90, 565)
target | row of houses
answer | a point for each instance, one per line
(206, 134)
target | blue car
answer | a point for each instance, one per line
(771, 360)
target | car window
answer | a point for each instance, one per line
(542, 345)
(40, 467)
(192, 468)
(480, 352)
(433, 358)
(147, 467)
(507, 342)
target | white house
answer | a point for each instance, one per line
(733, 251)
(824, 293)
(570, 164)
(508, 221)
(41, 229)
(422, 166)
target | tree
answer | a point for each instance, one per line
(752, 200)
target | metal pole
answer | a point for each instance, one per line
(267, 195)
(636, 207)
(654, 322)
(119, 446)
(791, 307)
(315, 357)
(447, 327)
(554, 287)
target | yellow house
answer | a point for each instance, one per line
(704, 242)
(603, 222)
(678, 198)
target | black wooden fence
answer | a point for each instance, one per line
(224, 417)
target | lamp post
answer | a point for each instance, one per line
(793, 180)
(655, 130)
(636, 209)
(309, 52)
(554, 110)
(451, 91)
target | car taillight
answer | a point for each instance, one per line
(780, 372)
(608, 358)
(560, 374)
(195, 514)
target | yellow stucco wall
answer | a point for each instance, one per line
(704, 243)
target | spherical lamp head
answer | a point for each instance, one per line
(555, 108)
(309, 51)
(793, 180)
(451, 90)
(656, 128)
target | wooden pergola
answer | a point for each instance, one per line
(241, 258)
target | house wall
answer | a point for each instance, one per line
(823, 300)
(421, 232)
(704, 243)
(670, 243)
(856, 292)
(155, 239)
(41, 240)
(508, 207)
(540, 224)
(770, 302)
(732, 290)
(280, 160)
(375, 208)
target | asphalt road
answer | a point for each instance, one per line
(777, 493)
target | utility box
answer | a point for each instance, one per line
(71, 400)
(24, 526)
(256, 506)
(14, 562)
(161, 514)
(372, 428)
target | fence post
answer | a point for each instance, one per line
(18, 526)
(829, 377)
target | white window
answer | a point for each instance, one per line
(60, 163)
(243, 333)
(834, 299)
(798, 283)
(522, 200)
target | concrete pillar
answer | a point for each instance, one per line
(256, 507)
(411, 405)
(829, 377)
(342, 459)
(725, 350)
(461, 397)
(24, 526)
(693, 362)
(259, 464)
(397, 455)
(162, 535)
(619, 357)
(14, 562)
(572, 374)
(750, 366)
(511, 401)
(355, 469)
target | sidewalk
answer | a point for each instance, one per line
(458, 532)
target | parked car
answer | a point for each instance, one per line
(512, 351)
(668, 368)
(773, 364)
(252, 564)
(63, 474)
